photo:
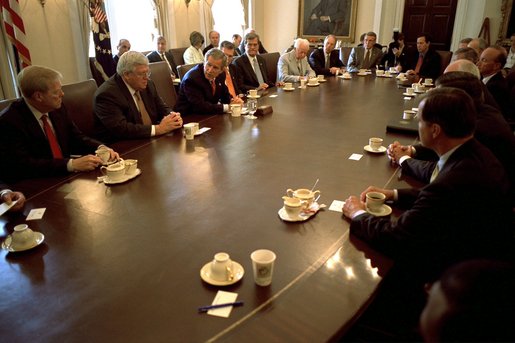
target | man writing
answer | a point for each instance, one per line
(293, 65)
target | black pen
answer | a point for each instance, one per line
(210, 307)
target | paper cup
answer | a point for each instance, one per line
(263, 266)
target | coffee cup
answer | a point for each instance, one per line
(305, 195)
(428, 81)
(410, 91)
(379, 72)
(221, 267)
(362, 71)
(320, 77)
(253, 92)
(130, 166)
(115, 171)
(288, 85)
(189, 131)
(302, 82)
(392, 70)
(374, 201)
(263, 261)
(408, 114)
(293, 206)
(236, 110)
(387, 73)
(196, 125)
(313, 81)
(104, 154)
(418, 87)
(375, 143)
(22, 237)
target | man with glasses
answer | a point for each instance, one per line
(203, 89)
(127, 105)
(293, 65)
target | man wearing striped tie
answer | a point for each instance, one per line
(161, 54)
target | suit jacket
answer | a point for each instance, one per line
(24, 149)
(247, 78)
(431, 64)
(498, 87)
(357, 59)
(390, 60)
(288, 70)
(116, 115)
(317, 61)
(207, 48)
(462, 214)
(196, 95)
(155, 57)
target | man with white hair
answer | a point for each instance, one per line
(293, 65)
(127, 105)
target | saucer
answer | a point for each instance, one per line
(324, 80)
(420, 92)
(428, 84)
(345, 77)
(237, 272)
(362, 74)
(125, 178)
(385, 210)
(39, 239)
(288, 89)
(313, 84)
(379, 151)
(406, 94)
(304, 215)
(254, 97)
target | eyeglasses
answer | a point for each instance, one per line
(142, 75)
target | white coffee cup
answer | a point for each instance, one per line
(189, 131)
(408, 114)
(305, 195)
(221, 267)
(320, 77)
(104, 154)
(288, 85)
(313, 81)
(375, 143)
(302, 82)
(253, 92)
(115, 171)
(410, 91)
(130, 166)
(22, 237)
(428, 81)
(387, 73)
(263, 261)
(293, 206)
(418, 87)
(374, 201)
(236, 110)
(379, 72)
(197, 126)
(392, 70)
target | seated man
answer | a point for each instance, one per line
(231, 72)
(203, 89)
(261, 48)
(424, 62)
(214, 40)
(127, 105)
(367, 56)
(252, 72)
(438, 228)
(161, 54)
(8, 196)
(478, 44)
(236, 40)
(123, 46)
(326, 61)
(293, 65)
(37, 138)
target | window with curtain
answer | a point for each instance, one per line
(134, 20)
(229, 18)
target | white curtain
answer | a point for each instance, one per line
(166, 21)
(79, 13)
(206, 19)
(8, 89)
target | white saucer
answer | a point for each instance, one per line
(289, 89)
(385, 210)
(428, 84)
(39, 239)
(406, 94)
(345, 77)
(379, 151)
(125, 178)
(313, 85)
(420, 92)
(237, 271)
(312, 210)
(254, 97)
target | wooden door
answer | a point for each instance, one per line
(435, 17)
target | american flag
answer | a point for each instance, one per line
(15, 29)
(99, 15)
(101, 38)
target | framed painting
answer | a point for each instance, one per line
(318, 18)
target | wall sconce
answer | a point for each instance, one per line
(42, 2)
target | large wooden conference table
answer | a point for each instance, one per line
(121, 263)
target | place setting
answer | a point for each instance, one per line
(252, 94)
(222, 271)
(345, 76)
(119, 172)
(321, 78)
(374, 204)
(410, 92)
(288, 86)
(23, 238)
(300, 205)
(383, 73)
(313, 82)
(364, 72)
(375, 145)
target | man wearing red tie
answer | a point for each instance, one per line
(37, 138)
(424, 62)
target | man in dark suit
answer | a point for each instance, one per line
(127, 105)
(123, 46)
(424, 61)
(37, 138)
(236, 40)
(439, 228)
(203, 89)
(326, 61)
(8, 196)
(214, 40)
(367, 56)
(248, 76)
(261, 48)
(231, 72)
(161, 54)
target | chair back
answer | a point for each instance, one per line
(345, 53)
(184, 68)
(445, 59)
(78, 100)
(271, 60)
(5, 103)
(178, 55)
(160, 75)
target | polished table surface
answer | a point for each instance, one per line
(121, 263)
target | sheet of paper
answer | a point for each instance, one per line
(223, 297)
(36, 213)
(202, 130)
(273, 96)
(337, 206)
(4, 207)
(355, 157)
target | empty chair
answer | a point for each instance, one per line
(78, 100)
(445, 59)
(183, 69)
(160, 75)
(177, 54)
(271, 60)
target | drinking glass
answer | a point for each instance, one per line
(252, 107)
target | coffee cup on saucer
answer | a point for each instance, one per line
(115, 171)
(428, 82)
(375, 143)
(374, 201)
(320, 78)
(408, 114)
(253, 92)
(221, 267)
(130, 166)
(392, 70)
(22, 237)
(387, 73)
(379, 72)
(418, 87)
(104, 154)
(288, 85)
(410, 91)
(235, 110)
(313, 81)
(293, 206)
(305, 195)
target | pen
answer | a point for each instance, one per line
(209, 307)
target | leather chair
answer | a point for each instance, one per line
(445, 59)
(271, 60)
(184, 68)
(177, 54)
(78, 100)
(345, 53)
(5, 103)
(160, 75)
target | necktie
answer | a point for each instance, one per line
(299, 65)
(52, 139)
(435, 173)
(228, 82)
(145, 118)
(213, 86)
(419, 63)
(366, 62)
(257, 70)
(327, 63)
